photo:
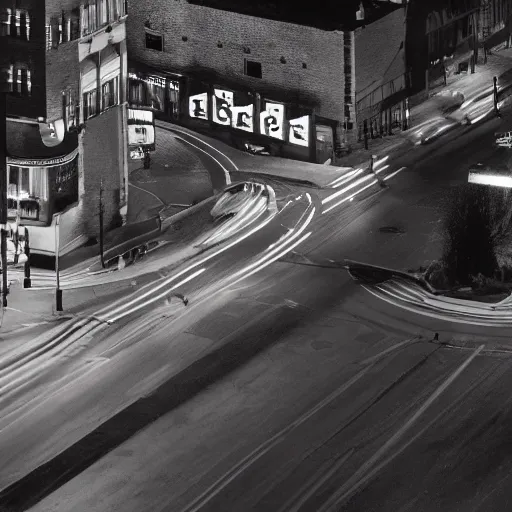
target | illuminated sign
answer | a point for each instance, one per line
(225, 113)
(43, 162)
(243, 118)
(141, 135)
(272, 120)
(299, 131)
(504, 139)
(222, 105)
(140, 116)
(495, 180)
(198, 106)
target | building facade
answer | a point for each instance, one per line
(495, 23)
(247, 78)
(442, 39)
(67, 67)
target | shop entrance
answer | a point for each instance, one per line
(324, 143)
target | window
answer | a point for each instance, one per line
(20, 80)
(154, 40)
(27, 193)
(56, 32)
(15, 23)
(89, 99)
(136, 91)
(252, 68)
(156, 92)
(89, 20)
(70, 108)
(64, 180)
(103, 11)
(109, 94)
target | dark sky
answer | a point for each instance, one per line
(326, 14)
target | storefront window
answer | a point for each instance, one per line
(64, 184)
(27, 193)
(156, 92)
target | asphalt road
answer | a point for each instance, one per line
(234, 423)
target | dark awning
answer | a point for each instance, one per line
(395, 98)
(24, 142)
(496, 38)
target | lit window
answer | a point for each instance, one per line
(6, 22)
(103, 11)
(109, 94)
(22, 24)
(89, 101)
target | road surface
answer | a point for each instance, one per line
(258, 358)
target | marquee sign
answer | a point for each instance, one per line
(272, 121)
(42, 162)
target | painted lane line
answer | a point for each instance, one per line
(218, 486)
(392, 348)
(355, 481)
(173, 129)
(147, 192)
(227, 176)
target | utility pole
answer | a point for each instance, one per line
(495, 95)
(27, 282)
(101, 212)
(58, 291)
(3, 191)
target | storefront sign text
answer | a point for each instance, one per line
(272, 122)
(198, 106)
(225, 113)
(299, 131)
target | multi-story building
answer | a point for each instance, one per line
(442, 39)
(266, 73)
(495, 23)
(66, 116)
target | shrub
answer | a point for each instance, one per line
(475, 219)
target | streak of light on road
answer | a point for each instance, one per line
(364, 473)
(155, 298)
(338, 193)
(218, 486)
(350, 198)
(338, 182)
(394, 173)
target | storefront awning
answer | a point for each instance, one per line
(25, 146)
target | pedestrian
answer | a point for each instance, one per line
(120, 263)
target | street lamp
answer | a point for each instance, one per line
(58, 291)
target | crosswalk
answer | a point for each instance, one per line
(412, 297)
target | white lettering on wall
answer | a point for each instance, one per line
(299, 131)
(243, 118)
(272, 120)
(198, 106)
(222, 105)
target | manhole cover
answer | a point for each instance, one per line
(391, 229)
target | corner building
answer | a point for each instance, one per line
(66, 65)
(264, 73)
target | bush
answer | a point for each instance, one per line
(475, 220)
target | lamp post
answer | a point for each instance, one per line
(495, 95)
(101, 212)
(58, 291)
(27, 282)
(3, 193)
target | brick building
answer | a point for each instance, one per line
(267, 73)
(494, 23)
(67, 66)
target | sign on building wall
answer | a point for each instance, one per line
(236, 110)
(272, 120)
(141, 129)
(198, 106)
(299, 131)
(226, 113)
